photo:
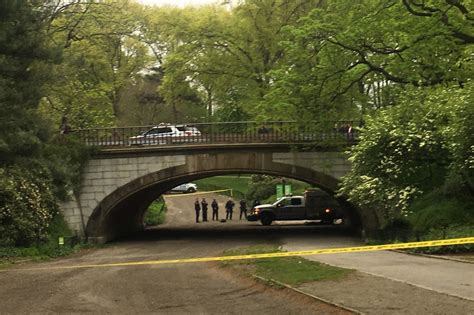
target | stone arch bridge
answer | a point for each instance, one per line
(119, 184)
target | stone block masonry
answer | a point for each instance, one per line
(102, 176)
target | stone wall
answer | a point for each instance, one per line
(334, 164)
(102, 176)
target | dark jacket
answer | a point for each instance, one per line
(229, 205)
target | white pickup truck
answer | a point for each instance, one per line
(314, 205)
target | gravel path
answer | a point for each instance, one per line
(206, 288)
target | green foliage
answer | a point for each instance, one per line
(408, 150)
(350, 55)
(261, 190)
(447, 232)
(232, 112)
(226, 56)
(141, 104)
(24, 64)
(34, 170)
(47, 249)
(27, 206)
(156, 213)
(27, 201)
(436, 215)
(66, 158)
(459, 133)
(102, 56)
(436, 210)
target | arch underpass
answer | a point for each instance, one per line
(118, 187)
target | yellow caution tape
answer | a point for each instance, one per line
(454, 241)
(198, 193)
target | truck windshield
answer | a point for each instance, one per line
(282, 201)
(285, 201)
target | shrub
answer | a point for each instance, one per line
(156, 213)
(261, 187)
(27, 205)
(434, 211)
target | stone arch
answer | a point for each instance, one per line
(122, 211)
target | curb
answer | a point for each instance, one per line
(433, 256)
(308, 294)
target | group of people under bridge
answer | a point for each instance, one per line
(201, 207)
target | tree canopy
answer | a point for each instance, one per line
(404, 67)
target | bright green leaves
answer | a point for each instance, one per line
(103, 54)
(411, 149)
(355, 54)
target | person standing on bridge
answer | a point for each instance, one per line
(215, 210)
(229, 209)
(243, 209)
(197, 208)
(204, 209)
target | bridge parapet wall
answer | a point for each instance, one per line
(334, 164)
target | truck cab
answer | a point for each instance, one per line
(288, 208)
(314, 205)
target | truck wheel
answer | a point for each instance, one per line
(266, 219)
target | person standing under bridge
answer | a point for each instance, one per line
(229, 209)
(215, 210)
(197, 208)
(204, 209)
(243, 209)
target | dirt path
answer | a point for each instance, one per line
(166, 289)
(204, 288)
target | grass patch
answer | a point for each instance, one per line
(288, 270)
(156, 213)
(239, 184)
